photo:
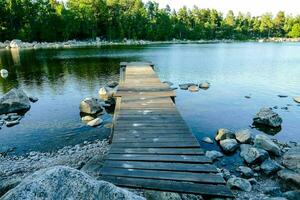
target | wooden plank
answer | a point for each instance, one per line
(161, 151)
(164, 175)
(207, 190)
(162, 166)
(160, 158)
(154, 140)
(157, 145)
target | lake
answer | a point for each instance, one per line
(61, 78)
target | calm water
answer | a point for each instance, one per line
(62, 78)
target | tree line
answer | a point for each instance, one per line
(52, 20)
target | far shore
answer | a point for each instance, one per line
(18, 44)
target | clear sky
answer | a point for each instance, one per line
(255, 7)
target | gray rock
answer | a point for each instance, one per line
(63, 182)
(229, 145)
(112, 84)
(253, 155)
(224, 133)
(275, 198)
(12, 123)
(282, 95)
(90, 106)
(292, 195)
(15, 43)
(291, 159)
(297, 99)
(290, 178)
(252, 181)
(95, 122)
(246, 171)
(204, 85)
(239, 183)
(186, 86)
(193, 88)
(33, 99)
(153, 195)
(270, 167)
(94, 165)
(267, 117)
(87, 118)
(243, 136)
(13, 101)
(207, 140)
(264, 142)
(213, 155)
(169, 83)
(8, 183)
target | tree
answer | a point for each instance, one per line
(295, 32)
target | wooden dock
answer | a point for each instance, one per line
(152, 147)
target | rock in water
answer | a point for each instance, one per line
(186, 85)
(90, 106)
(224, 133)
(63, 182)
(243, 136)
(239, 183)
(112, 84)
(297, 99)
(268, 117)
(229, 145)
(292, 195)
(169, 83)
(213, 155)
(291, 159)
(95, 122)
(87, 118)
(270, 167)
(15, 43)
(193, 88)
(253, 155)
(13, 101)
(264, 142)
(33, 99)
(290, 178)
(204, 85)
(4, 73)
(246, 171)
(207, 140)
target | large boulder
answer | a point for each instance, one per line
(229, 145)
(13, 101)
(63, 182)
(90, 106)
(267, 117)
(264, 142)
(253, 155)
(291, 159)
(224, 133)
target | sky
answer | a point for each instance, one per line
(255, 7)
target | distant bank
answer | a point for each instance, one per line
(18, 44)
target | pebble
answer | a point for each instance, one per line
(12, 123)
(33, 99)
(207, 140)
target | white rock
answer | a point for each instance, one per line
(207, 140)
(243, 136)
(87, 118)
(297, 99)
(193, 88)
(90, 106)
(95, 122)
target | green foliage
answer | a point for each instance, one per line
(53, 20)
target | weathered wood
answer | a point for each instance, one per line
(152, 147)
(207, 190)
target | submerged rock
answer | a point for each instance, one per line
(95, 122)
(169, 83)
(13, 101)
(246, 171)
(264, 142)
(292, 195)
(213, 155)
(90, 106)
(253, 155)
(186, 86)
(270, 167)
(12, 123)
(239, 183)
(224, 133)
(229, 145)
(63, 182)
(243, 136)
(267, 117)
(291, 159)
(282, 95)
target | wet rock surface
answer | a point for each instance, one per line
(267, 117)
(13, 101)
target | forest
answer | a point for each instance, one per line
(52, 20)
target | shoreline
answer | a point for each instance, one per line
(18, 44)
